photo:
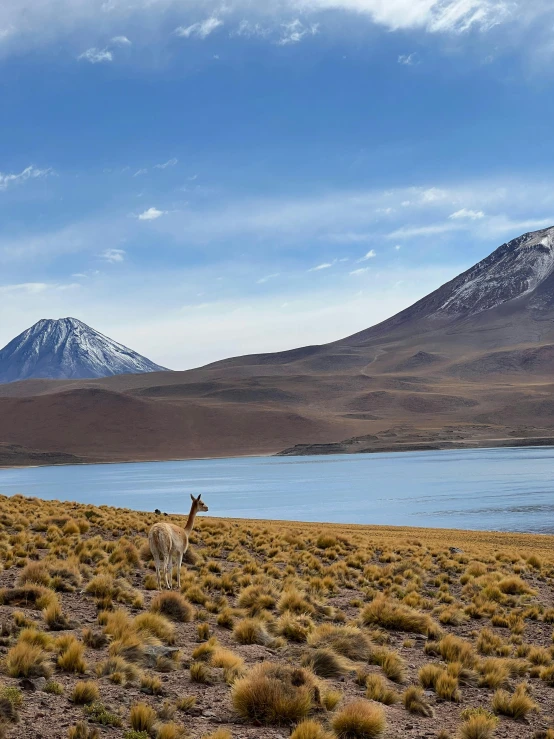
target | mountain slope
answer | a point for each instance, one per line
(470, 364)
(67, 348)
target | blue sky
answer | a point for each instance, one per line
(200, 180)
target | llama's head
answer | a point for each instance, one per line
(200, 505)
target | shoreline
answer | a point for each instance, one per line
(322, 450)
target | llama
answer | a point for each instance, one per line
(168, 544)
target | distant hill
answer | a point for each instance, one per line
(470, 364)
(67, 348)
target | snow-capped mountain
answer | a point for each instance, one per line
(68, 349)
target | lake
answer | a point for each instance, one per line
(487, 489)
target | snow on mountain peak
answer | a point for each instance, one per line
(513, 270)
(67, 348)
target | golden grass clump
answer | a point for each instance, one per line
(378, 690)
(359, 720)
(250, 631)
(85, 691)
(348, 641)
(394, 616)
(516, 705)
(310, 729)
(174, 606)
(477, 723)
(325, 663)
(273, 693)
(414, 701)
(142, 717)
(28, 660)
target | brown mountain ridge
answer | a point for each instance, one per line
(471, 363)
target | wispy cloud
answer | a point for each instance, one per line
(201, 30)
(165, 165)
(34, 288)
(120, 41)
(324, 265)
(371, 254)
(408, 59)
(360, 271)
(29, 173)
(265, 279)
(96, 56)
(151, 214)
(295, 31)
(113, 256)
(140, 172)
(432, 229)
(467, 213)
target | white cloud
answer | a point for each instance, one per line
(96, 56)
(29, 173)
(432, 229)
(360, 271)
(32, 23)
(251, 29)
(370, 255)
(201, 30)
(467, 213)
(408, 59)
(120, 41)
(325, 265)
(151, 214)
(140, 172)
(169, 163)
(113, 255)
(295, 31)
(34, 288)
(265, 279)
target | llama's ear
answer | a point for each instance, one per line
(199, 496)
(192, 497)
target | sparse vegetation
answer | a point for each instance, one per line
(341, 619)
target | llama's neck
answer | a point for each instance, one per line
(192, 516)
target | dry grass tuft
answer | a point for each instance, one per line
(359, 720)
(274, 693)
(394, 616)
(174, 606)
(310, 729)
(415, 702)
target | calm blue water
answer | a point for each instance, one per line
(489, 489)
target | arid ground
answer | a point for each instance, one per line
(325, 631)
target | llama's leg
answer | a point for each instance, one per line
(167, 564)
(158, 574)
(179, 563)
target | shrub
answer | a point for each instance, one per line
(53, 688)
(477, 724)
(325, 663)
(274, 693)
(414, 701)
(516, 705)
(55, 619)
(27, 660)
(395, 616)
(71, 658)
(34, 573)
(154, 624)
(348, 641)
(186, 702)
(309, 729)
(151, 685)
(174, 606)
(99, 714)
(170, 731)
(82, 731)
(218, 734)
(294, 627)
(85, 691)
(250, 631)
(200, 673)
(142, 717)
(359, 720)
(378, 690)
